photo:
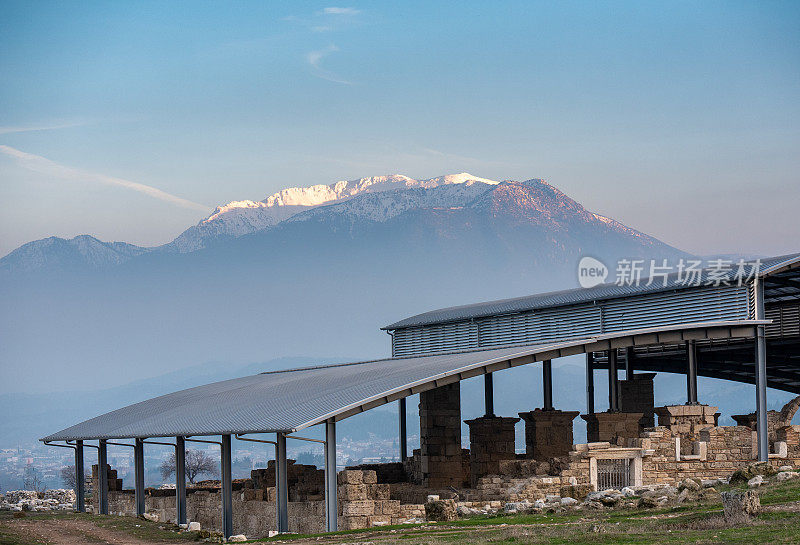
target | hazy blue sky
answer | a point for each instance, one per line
(681, 119)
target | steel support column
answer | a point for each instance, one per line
(331, 500)
(403, 429)
(761, 372)
(102, 475)
(281, 484)
(80, 487)
(613, 381)
(589, 383)
(691, 373)
(227, 491)
(629, 363)
(547, 384)
(488, 394)
(180, 480)
(138, 476)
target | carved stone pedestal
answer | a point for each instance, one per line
(548, 434)
(491, 440)
(613, 427)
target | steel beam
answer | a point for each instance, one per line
(180, 479)
(331, 500)
(281, 484)
(227, 489)
(691, 373)
(138, 476)
(80, 487)
(589, 383)
(547, 384)
(613, 381)
(403, 429)
(488, 394)
(102, 475)
(761, 372)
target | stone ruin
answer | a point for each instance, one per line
(628, 454)
(57, 499)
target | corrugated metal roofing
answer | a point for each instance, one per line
(285, 401)
(565, 298)
(277, 401)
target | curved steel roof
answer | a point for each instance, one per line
(562, 298)
(287, 401)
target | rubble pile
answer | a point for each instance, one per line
(57, 499)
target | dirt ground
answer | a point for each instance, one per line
(71, 532)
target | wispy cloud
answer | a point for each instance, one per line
(315, 58)
(11, 129)
(43, 165)
(340, 11)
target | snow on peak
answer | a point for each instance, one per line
(462, 178)
(238, 218)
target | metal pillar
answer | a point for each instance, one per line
(403, 430)
(547, 384)
(281, 484)
(488, 394)
(613, 381)
(102, 475)
(629, 363)
(180, 480)
(589, 383)
(227, 491)
(331, 500)
(761, 373)
(138, 475)
(691, 373)
(80, 489)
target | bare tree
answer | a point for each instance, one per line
(68, 477)
(32, 479)
(197, 463)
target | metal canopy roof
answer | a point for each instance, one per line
(287, 401)
(771, 268)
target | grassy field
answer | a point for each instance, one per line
(687, 523)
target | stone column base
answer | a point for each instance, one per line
(613, 427)
(687, 420)
(491, 440)
(548, 434)
(637, 396)
(441, 458)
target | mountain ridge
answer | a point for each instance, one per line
(376, 198)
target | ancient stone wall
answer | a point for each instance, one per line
(306, 482)
(364, 503)
(252, 517)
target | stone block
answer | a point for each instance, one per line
(358, 508)
(350, 476)
(353, 522)
(353, 492)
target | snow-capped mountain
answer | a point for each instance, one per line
(77, 252)
(239, 218)
(505, 210)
